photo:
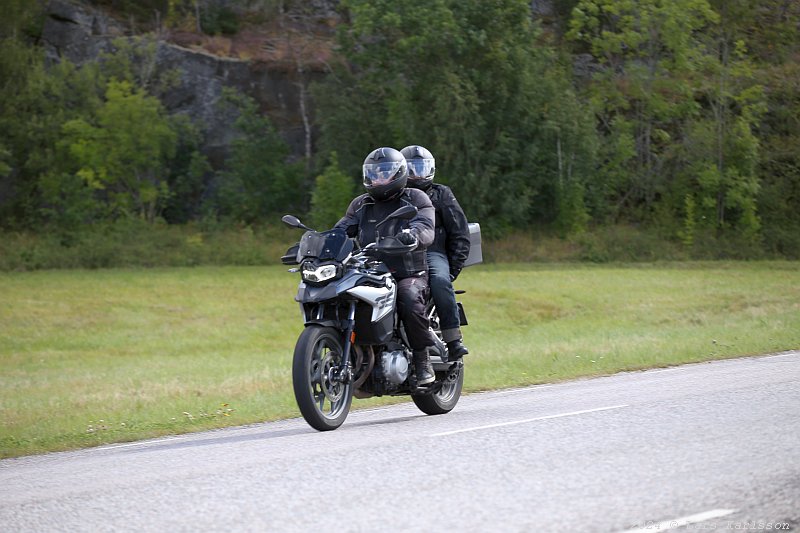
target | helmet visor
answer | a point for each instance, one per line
(420, 168)
(376, 174)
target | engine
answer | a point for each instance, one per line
(395, 366)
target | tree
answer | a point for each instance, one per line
(466, 79)
(721, 145)
(333, 192)
(258, 181)
(189, 173)
(642, 95)
(135, 60)
(770, 27)
(37, 101)
(125, 152)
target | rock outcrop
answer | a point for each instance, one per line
(80, 33)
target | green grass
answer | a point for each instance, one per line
(92, 357)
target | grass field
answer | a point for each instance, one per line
(93, 357)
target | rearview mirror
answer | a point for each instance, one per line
(294, 222)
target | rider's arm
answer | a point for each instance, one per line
(352, 217)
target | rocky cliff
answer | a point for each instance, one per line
(272, 66)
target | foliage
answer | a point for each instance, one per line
(643, 93)
(258, 183)
(681, 104)
(94, 145)
(140, 13)
(135, 61)
(216, 19)
(37, 103)
(770, 27)
(125, 153)
(333, 191)
(189, 172)
(721, 140)
(20, 18)
(204, 16)
(678, 118)
(135, 243)
(472, 86)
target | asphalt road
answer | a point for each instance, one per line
(697, 447)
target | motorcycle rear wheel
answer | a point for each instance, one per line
(324, 403)
(444, 400)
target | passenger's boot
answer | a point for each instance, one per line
(455, 344)
(423, 367)
(456, 349)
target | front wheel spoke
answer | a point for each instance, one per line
(317, 394)
(314, 372)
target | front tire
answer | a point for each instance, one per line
(323, 403)
(445, 399)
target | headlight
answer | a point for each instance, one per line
(322, 273)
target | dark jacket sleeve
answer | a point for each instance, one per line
(423, 223)
(455, 224)
(352, 217)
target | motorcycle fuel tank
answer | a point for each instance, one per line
(382, 299)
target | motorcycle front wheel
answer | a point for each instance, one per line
(445, 399)
(324, 402)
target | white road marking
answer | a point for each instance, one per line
(142, 443)
(787, 354)
(530, 388)
(680, 522)
(478, 428)
(658, 371)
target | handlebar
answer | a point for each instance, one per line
(387, 245)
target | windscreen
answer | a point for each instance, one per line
(327, 245)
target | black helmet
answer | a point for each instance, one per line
(421, 166)
(385, 173)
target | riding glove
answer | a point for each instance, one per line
(407, 237)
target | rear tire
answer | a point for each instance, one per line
(323, 403)
(444, 400)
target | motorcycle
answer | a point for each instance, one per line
(353, 343)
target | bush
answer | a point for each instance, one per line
(333, 192)
(709, 245)
(134, 243)
(626, 244)
(599, 245)
(215, 20)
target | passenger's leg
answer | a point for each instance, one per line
(445, 299)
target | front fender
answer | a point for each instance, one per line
(307, 293)
(323, 322)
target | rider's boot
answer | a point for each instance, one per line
(423, 367)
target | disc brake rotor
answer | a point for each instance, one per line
(332, 389)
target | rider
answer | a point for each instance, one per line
(450, 246)
(385, 174)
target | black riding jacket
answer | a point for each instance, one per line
(452, 228)
(364, 213)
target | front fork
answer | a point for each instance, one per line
(344, 372)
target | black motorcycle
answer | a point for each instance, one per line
(353, 343)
